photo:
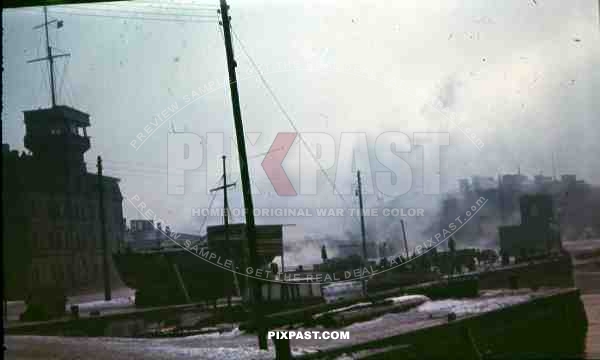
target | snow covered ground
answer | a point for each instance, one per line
(124, 302)
(236, 344)
(470, 306)
(122, 299)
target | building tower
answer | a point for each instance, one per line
(60, 215)
(58, 140)
(56, 136)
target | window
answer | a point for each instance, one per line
(53, 209)
(35, 275)
(54, 272)
(34, 240)
(50, 239)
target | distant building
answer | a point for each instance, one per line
(569, 179)
(483, 182)
(572, 199)
(513, 181)
(538, 234)
(51, 224)
(464, 186)
(144, 235)
(511, 187)
(541, 180)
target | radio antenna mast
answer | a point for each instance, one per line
(49, 57)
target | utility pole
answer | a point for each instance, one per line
(452, 249)
(362, 230)
(226, 213)
(241, 145)
(553, 168)
(405, 241)
(225, 202)
(107, 295)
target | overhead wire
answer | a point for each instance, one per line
(69, 88)
(64, 96)
(44, 77)
(200, 19)
(127, 14)
(172, 2)
(210, 204)
(145, 5)
(61, 83)
(134, 18)
(134, 170)
(137, 171)
(122, 10)
(121, 168)
(154, 170)
(137, 163)
(187, 3)
(289, 119)
(129, 167)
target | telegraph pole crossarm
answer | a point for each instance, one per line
(225, 202)
(223, 187)
(46, 58)
(226, 215)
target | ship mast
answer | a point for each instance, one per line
(49, 57)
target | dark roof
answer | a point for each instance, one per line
(58, 113)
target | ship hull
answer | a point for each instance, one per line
(155, 278)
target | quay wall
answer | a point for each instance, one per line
(553, 326)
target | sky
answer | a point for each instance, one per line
(521, 75)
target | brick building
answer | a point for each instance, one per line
(51, 224)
